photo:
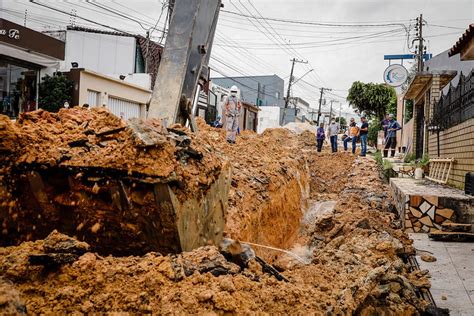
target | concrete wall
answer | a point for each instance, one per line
(456, 142)
(268, 117)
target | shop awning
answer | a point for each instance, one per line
(422, 79)
(28, 56)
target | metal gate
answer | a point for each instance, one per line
(123, 108)
(93, 98)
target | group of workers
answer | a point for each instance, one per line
(232, 109)
(355, 133)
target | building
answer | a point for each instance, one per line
(260, 91)
(124, 99)
(114, 54)
(443, 110)
(25, 56)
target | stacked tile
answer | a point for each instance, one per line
(424, 214)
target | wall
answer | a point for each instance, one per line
(107, 54)
(269, 87)
(109, 87)
(268, 117)
(456, 142)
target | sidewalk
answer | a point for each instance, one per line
(452, 274)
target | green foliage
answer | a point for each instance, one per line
(54, 91)
(374, 128)
(385, 166)
(342, 121)
(375, 100)
(408, 110)
(409, 158)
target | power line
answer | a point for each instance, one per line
(315, 23)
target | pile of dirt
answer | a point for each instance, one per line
(357, 267)
(270, 183)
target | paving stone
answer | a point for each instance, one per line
(431, 212)
(415, 212)
(424, 207)
(425, 220)
(445, 212)
(433, 200)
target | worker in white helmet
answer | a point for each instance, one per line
(232, 111)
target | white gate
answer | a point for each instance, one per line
(123, 108)
(93, 98)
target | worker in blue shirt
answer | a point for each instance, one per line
(391, 140)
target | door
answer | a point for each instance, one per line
(124, 109)
(420, 127)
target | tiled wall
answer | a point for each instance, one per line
(424, 213)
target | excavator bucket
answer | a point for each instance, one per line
(126, 189)
(122, 215)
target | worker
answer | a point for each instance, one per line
(391, 140)
(232, 111)
(353, 134)
(333, 130)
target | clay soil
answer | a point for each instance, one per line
(355, 257)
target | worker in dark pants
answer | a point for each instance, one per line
(391, 140)
(320, 136)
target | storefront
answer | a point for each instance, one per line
(25, 56)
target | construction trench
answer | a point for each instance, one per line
(90, 206)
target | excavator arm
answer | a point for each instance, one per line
(184, 65)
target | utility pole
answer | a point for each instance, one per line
(330, 111)
(294, 60)
(420, 43)
(321, 101)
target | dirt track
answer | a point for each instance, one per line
(355, 255)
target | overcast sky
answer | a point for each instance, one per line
(338, 54)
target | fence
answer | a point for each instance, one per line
(457, 105)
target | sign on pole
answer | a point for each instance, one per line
(395, 75)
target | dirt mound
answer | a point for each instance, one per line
(270, 184)
(93, 176)
(357, 267)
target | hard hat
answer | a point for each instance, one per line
(391, 115)
(234, 89)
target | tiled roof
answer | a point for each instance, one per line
(462, 41)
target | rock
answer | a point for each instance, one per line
(60, 243)
(205, 295)
(364, 224)
(395, 287)
(227, 284)
(444, 298)
(428, 258)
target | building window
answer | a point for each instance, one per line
(124, 109)
(18, 87)
(277, 95)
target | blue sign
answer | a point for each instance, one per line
(406, 56)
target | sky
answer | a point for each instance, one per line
(340, 41)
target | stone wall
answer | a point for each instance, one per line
(458, 143)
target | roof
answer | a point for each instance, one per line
(422, 79)
(97, 31)
(462, 41)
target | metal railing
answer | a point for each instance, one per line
(457, 105)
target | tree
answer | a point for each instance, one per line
(374, 100)
(54, 91)
(342, 121)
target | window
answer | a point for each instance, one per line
(124, 109)
(93, 98)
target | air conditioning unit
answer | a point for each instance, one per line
(469, 183)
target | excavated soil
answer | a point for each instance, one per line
(355, 257)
